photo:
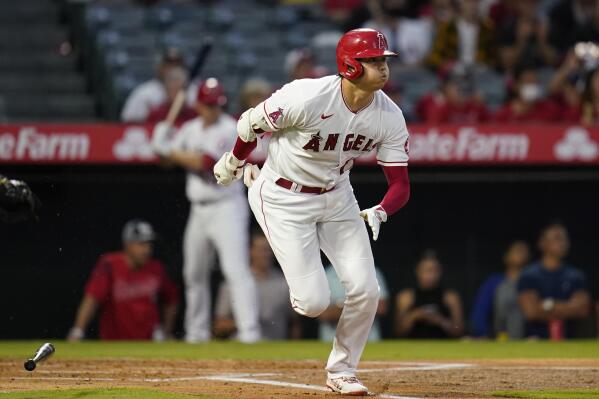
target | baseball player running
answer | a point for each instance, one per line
(218, 216)
(303, 199)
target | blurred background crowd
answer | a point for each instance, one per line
(534, 297)
(461, 61)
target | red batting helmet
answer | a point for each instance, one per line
(360, 43)
(212, 92)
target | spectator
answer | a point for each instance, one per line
(496, 311)
(329, 318)
(276, 314)
(429, 310)
(253, 92)
(590, 32)
(523, 39)
(569, 18)
(411, 38)
(590, 99)
(175, 79)
(501, 12)
(416, 8)
(341, 12)
(527, 104)
(467, 39)
(563, 88)
(442, 11)
(553, 294)
(151, 94)
(456, 102)
(126, 288)
(301, 64)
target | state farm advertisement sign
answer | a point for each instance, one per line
(75, 144)
(429, 145)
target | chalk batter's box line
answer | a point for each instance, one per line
(251, 378)
(223, 378)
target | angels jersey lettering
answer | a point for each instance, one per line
(315, 134)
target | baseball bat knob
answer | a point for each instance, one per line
(29, 365)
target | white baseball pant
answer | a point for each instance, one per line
(298, 226)
(219, 227)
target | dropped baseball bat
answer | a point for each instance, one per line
(44, 352)
(194, 71)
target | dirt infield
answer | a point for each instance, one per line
(292, 379)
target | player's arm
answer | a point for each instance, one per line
(397, 196)
(97, 290)
(169, 317)
(281, 110)
(169, 295)
(295, 327)
(168, 147)
(392, 156)
(382, 308)
(87, 310)
(229, 167)
(577, 307)
(224, 324)
(537, 309)
(332, 313)
(455, 325)
(406, 316)
(189, 160)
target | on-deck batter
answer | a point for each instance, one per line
(303, 199)
(217, 220)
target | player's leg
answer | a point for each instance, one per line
(286, 220)
(229, 229)
(344, 239)
(198, 258)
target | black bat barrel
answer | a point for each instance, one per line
(42, 353)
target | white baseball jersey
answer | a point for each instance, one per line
(316, 135)
(212, 141)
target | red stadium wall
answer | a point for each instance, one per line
(429, 145)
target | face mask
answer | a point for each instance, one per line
(530, 92)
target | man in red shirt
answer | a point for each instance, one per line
(528, 103)
(456, 102)
(126, 288)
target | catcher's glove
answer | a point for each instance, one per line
(17, 202)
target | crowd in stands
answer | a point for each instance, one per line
(546, 298)
(500, 61)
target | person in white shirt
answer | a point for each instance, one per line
(152, 93)
(302, 198)
(218, 219)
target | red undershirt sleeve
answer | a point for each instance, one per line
(242, 150)
(208, 162)
(398, 191)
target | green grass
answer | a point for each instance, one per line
(570, 394)
(102, 393)
(300, 350)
